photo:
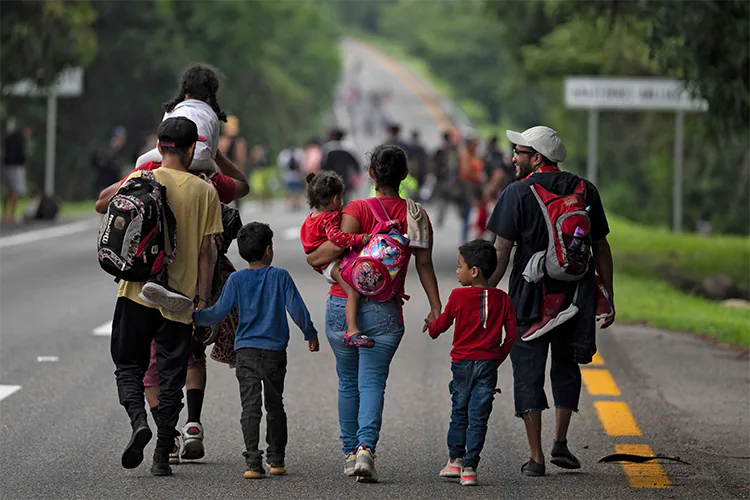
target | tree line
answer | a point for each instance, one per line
(506, 61)
(279, 60)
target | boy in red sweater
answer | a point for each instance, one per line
(479, 346)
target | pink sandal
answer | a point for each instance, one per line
(359, 339)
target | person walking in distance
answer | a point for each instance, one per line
(233, 146)
(15, 157)
(264, 294)
(136, 322)
(556, 305)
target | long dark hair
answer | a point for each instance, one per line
(389, 165)
(200, 81)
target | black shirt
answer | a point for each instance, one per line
(15, 149)
(517, 217)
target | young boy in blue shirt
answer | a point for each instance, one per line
(263, 295)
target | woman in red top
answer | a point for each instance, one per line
(362, 373)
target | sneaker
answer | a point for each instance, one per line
(174, 456)
(453, 468)
(533, 469)
(276, 469)
(351, 459)
(132, 457)
(254, 472)
(160, 466)
(468, 476)
(364, 467)
(162, 295)
(192, 439)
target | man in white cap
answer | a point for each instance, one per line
(556, 312)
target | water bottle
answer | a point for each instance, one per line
(578, 235)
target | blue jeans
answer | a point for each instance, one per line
(472, 392)
(362, 372)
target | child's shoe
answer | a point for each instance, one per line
(468, 476)
(364, 467)
(359, 339)
(277, 469)
(254, 472)
(453, 468)
(351, 460)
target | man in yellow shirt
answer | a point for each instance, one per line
(195, 204)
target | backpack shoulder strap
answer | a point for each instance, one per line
(378, 209)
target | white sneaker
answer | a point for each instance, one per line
(453, 468)
(162, 295)
(351, 460)
(174, 456)
(468, 476)
(192, 441)
(364, 467)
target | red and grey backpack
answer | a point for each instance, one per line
(138, 237)
(568, 254)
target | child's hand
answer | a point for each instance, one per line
(313, 345)
(366, 239)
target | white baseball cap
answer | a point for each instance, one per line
(541, 139)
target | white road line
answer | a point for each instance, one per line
(43, 234)
(105, 330)
(7, 390)
(291, 234)
(47, 359)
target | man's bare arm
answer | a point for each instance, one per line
(503, 248)
(103, 202)
(206, 264)
(605, 269)
(228, 168)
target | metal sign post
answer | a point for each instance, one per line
(68, 84)
(634, 94)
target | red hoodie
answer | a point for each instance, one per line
(480, 315)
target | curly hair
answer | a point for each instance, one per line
(322, 188)
(389, 165)
(200, 81)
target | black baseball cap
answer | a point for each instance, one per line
(178, 132)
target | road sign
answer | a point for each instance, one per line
(630, 94)
(68, 84)
(634, 94)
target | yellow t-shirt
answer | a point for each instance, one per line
(195, 204)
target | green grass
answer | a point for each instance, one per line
(657, 304)
(641, 250)
(69, 209)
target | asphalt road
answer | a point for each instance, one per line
(62, 431)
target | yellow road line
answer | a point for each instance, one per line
(648, 475)
(616, 418)
(397, 69)
(597, 361)
(599, 382)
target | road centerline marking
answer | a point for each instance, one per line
(617, 418)
(646, 475)
(7, 390)
(599, 382)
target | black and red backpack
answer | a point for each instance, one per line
(568, 254)
(138, 236)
